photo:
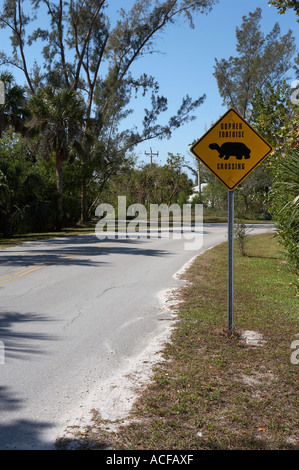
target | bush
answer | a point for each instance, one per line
(285, 204)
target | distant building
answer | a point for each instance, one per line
(196, 191)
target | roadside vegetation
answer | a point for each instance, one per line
(65, 146)
(214, 391)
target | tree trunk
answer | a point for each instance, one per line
(83, 217)
(8, 229)
(59, 191)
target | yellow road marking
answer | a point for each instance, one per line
(30, 269)
(24, 274)
(104, 245)
(13, 274)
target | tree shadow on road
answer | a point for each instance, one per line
(80, 251)
(19, 434)
(20, 344)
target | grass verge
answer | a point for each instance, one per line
(28, 237)
(215, 391)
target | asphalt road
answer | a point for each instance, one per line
(81, 322)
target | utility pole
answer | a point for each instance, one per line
(199, 182)
(2, 93)
(151, 154)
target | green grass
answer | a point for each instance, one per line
(214, 391)
(26, 237)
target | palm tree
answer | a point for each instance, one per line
(57, 118)
(14, 111)
(285, 203)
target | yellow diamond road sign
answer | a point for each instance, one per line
(231, 149)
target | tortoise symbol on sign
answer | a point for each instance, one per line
(229, 149)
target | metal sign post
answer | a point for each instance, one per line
(231, 149)
(230, 273)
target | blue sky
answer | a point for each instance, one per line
(185, 65)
